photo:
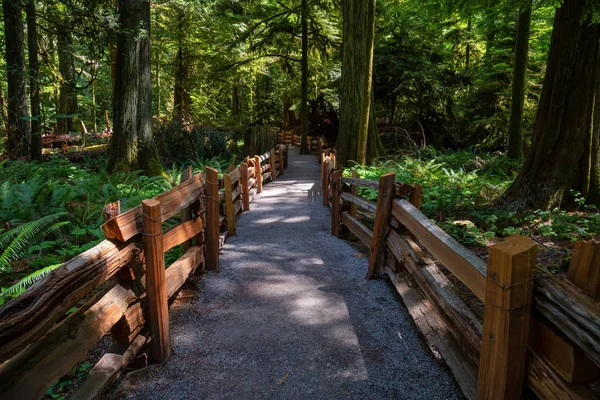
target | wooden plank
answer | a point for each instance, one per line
(154, 257)
(265, 157)
(566, 359)
(363, 233)
(129, 224)
(259, 178)
(509, 291)
(29, 374)
(186, 213)
(235, 175)
(29, 316)
(182, 233)
(382, 215)
(229, 213)
(335, 202)
(546, 383)
(368, 205)
(238, 206)
(436, 333)
(212, 220)
(108, 369)
(244, 186)
(266, 176)
(584, 270)
(236, 192)
(575, 314)
(469, 268)
(465, 326)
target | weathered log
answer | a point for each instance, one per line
(30, 315)
(436, 333)
(31, 372)
(127, 225)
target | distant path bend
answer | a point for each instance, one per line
(290, 316)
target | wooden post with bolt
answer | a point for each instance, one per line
(244, 183)
(156, 283)
(384, 209)
(212, 219)
(508, 296)
(259, 177)
(336, 180)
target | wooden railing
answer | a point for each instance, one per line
(315, 143)
(536, 329)
(121, 285)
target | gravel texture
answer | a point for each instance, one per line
(291, 316)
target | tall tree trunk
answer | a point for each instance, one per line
(304, 105)
(34, 86)
(181, 97)
(158, 53)
(564, 117)
(593, 195)
(3, 108)
(68, 94)
(357, 72)
(18, 128)
(235, 104)
(515, 133)
(132, 145)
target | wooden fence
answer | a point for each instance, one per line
(121, 285)
(315, 143)
(536, 329)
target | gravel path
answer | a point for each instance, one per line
(290, 316)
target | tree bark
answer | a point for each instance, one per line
(18, 128)
(374, 146)
(564, 117)
(515, 133)
(304, 105)
(67, 105)
(357, 73)
(132, 145)
(181, 98)
(34, 87)
(593, 195)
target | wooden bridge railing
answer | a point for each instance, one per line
(121, 285)
(536, 329)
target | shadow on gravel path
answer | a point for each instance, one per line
(290, 316)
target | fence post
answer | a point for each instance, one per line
(287, 155)
(584, 270)
(258, 174)
(325, 184)
(229, 205)
(319, 147)
(273, 170)
(384, 208)
(281, 160)
(156, 284)
(508, 295)
(212, 219)
(336, 180)
(244, 183)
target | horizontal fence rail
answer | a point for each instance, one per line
(121, 285)
(537, 330)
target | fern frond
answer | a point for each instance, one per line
(26, 282)
(15, 243)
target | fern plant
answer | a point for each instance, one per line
(15, 243)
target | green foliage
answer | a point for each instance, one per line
(461, 191)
